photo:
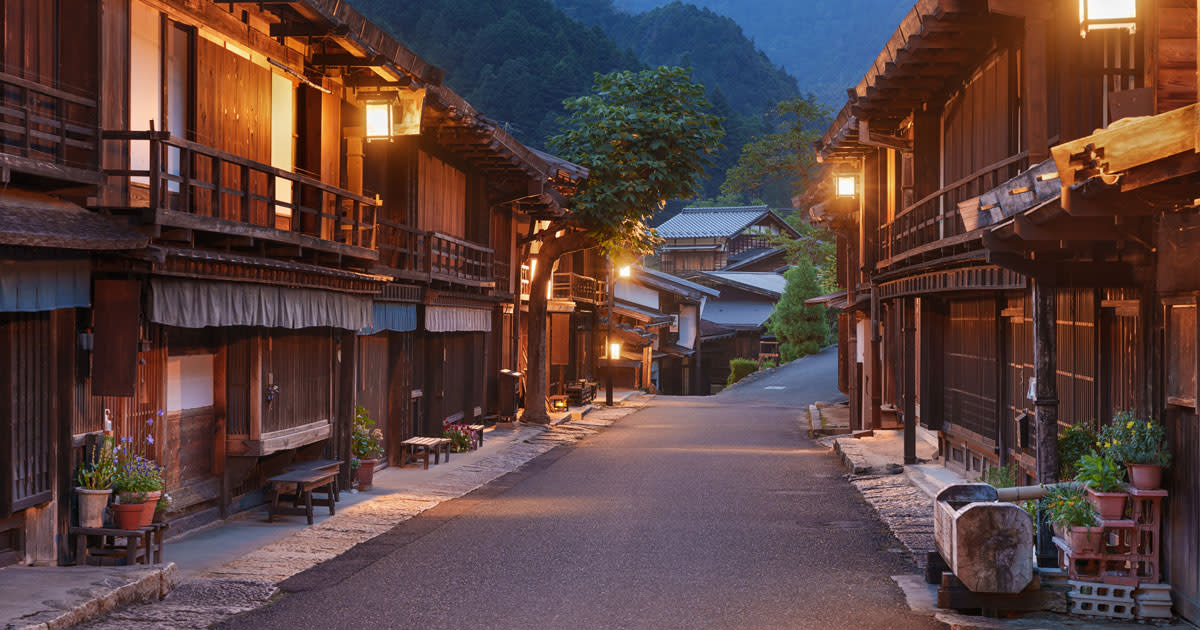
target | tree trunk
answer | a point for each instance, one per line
(538, 373)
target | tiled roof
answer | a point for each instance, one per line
(711, 222)
(738, 314)
(36, 220)
(762, 280)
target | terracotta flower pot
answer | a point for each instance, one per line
(1086, 539)
(149, 507)
(366, 473)
(1110, 505)
(128, 515)
(91, 506)
(1145, 476)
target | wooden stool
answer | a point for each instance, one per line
(478, 429)
(144, 545)
(422, 446)
(303, 482)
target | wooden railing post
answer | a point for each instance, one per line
(155, 174)
(245, 189)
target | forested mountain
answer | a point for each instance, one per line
(516, 60)
(826, 44)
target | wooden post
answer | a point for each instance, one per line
(1045, 342)
(1033, 71)
(875, 374)
(344, 412)
(909, 325)
(255, 391)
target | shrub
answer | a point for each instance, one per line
(1132, 441)
(769, 364)
(1000, 476)
(462, 439)
(740, 369)
(1074, 442)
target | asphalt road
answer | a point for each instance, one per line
(691, 513)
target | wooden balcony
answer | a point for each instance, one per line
(48, 132)
(190, 188)
(412, 254)
(935, 219)
(577, 288)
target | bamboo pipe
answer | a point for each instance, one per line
(1027, 493)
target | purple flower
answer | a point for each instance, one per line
(150, 422)
(150, 439)
(160, 413)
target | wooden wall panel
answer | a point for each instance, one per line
(1077, 360)
(116, 305)
(977, 126)
(28, 410)
(373, 380)
(1175, 54)
(301, 363)
(970, 368)
(441, 197)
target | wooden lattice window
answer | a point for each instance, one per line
(1181, 352)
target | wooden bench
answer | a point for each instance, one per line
(478, 429)
(98, 545)
(298, 486)
(331, 465)
(422, 446)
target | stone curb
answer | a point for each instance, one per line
(854, 460)
(152, 586)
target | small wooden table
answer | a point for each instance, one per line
(332, 465)
(99, 544)
(478, 429)
(422, 447)
(298, 486)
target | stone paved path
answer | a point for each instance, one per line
(906, 511)
(250, 581)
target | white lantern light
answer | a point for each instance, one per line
(378, 119)
(847, 186)
(625, 271)
(1096, 15)
(614, 350)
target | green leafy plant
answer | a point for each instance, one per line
(800, 328)
(1100, 473)
(101, 471)
(1067, 506)
(1000, 476)
(366, 441)
(740, 369)
(769, 364)
(1074, 442)
(136, 476)
(1130, 440)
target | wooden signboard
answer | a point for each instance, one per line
(116, 306)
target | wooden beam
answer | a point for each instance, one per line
(341, 59)
(1035, 103)
(1127, 144)
(881, 140)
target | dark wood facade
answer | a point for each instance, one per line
(993, 296)
(210, 257)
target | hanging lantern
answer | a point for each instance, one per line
(1096, 15)
(846, 186)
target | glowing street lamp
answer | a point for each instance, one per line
(614, 350)
(846, 186)
(1097, 15)
(378, 109)
(625, 271)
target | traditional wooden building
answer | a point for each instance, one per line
(239, 222)
(708, 239)
(994, 295)
(734, 323)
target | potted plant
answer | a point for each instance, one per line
(138, 482)
(1139, 444)
(95, 485)
(1103, 478)
(462, 438)
(366, 445)
(1073, 517)
(1074, 442)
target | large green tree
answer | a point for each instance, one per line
(801, 329)
(783, 162)
(644, 137)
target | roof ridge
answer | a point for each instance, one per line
(698, 210)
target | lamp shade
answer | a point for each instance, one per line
(1095, 15)
(378, 119)
(847, 186)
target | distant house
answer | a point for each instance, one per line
(711, 239)
(657, 321)
(733, 325)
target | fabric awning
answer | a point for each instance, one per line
(35, 220)
(457, 319)
(29, 286)
(393, 317)
(198, 304)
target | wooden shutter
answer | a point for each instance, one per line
(27, 368)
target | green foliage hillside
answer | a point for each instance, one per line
(514, 60)
(826, 44)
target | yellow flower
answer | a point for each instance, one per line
(1129, 425)
(1106, 445)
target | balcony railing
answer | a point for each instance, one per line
(501, 272)
(186, 180)
(50, 132)
(461, 262)
(414, 254)
(577, 288)
(936, 217)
